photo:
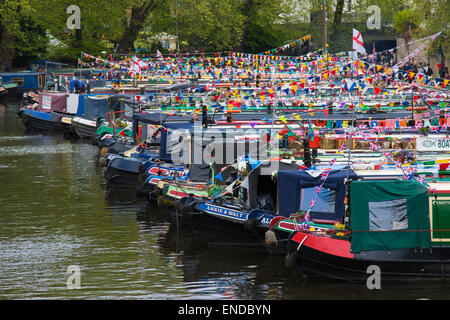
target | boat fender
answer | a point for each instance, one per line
(163, 202)
(271, 239)
(103, 151)
(102, 162)
(291, 258)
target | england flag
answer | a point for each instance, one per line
(358, 44)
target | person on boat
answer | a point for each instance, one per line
(314, 143)
(306, 150)
(229, 117)
(330, 107)
(77, 86)
(195, 117)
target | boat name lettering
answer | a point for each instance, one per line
(432, 144)
(225, 211)
(447, 202)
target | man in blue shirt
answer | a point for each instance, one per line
(77, 86)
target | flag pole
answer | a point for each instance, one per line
(324, 35)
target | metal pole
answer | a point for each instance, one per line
(441, 49)
(176, 27)
(46, 86)
(324, 35)
(81, 65)
(351, 141)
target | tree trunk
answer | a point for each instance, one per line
(136, 23)
(6, 52)
(248, 6)
(337, 18)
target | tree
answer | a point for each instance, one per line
(262, 25)
(405, 22)
(100, 20)
(138, 12)
(20, 32)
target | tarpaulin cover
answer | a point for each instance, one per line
(170, 144)
(297, 188)
(95, 107)
(389, 215)
(53, 102)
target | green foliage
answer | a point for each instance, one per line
(20, 32)
(100, 19)
(205, 25)
(404, 21)
(262, 25)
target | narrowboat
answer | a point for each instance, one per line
(17, 83)
(90, 108)
(50, 109)
(400, 228)
(240, 214)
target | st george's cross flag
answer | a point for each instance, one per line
(358, 44)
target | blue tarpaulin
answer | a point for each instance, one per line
(95, 107)
(297, 188)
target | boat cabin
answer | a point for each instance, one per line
(25, 80)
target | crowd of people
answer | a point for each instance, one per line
(386, 59)
(389, 59)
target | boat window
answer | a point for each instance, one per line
(388, 215)
(325, 202)
(41, 78)
(20, 81)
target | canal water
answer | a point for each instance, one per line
(58, 217)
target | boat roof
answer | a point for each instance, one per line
(20, 73)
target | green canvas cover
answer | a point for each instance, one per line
(388, 215)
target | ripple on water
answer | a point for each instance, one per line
(27, 150)
(30, 266)
(18, 138)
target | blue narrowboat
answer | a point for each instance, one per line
(23, 81)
